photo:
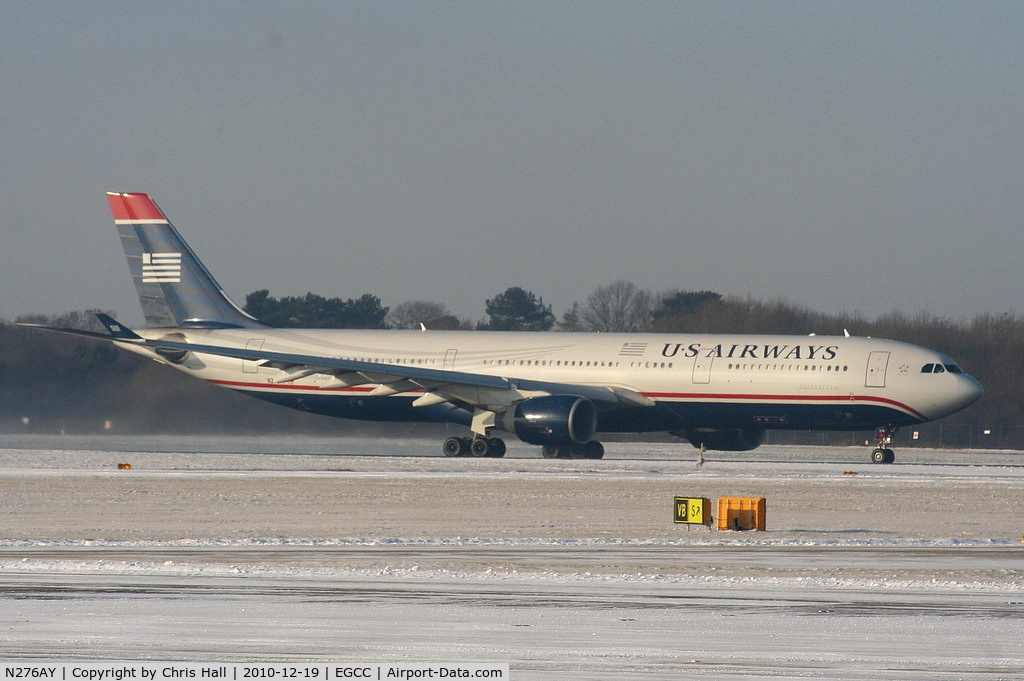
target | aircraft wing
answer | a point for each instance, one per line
(478, 390)
(468, 389)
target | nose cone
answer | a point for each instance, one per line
(955, 392)
(970, 390)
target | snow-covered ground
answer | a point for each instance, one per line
(310, 550)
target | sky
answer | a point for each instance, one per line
(846, 157)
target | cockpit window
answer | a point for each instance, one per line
(941, 369)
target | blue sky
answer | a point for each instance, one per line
(863, 157)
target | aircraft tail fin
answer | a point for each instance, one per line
(174, 287)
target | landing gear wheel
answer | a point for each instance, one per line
(884, 437)
(453, 446)
(881, 455)
(551, 451)
(497, 447)
(590, 450)
(480, 447)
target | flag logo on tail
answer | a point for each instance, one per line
(163, 268)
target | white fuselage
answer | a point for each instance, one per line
(693, 380)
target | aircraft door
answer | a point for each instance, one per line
(249, 366)
(702, 366)
(449, 359)
(877, 363)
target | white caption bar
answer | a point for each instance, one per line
(201, 671)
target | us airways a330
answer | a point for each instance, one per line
(554, 390)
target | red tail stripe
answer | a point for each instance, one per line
(134, 207)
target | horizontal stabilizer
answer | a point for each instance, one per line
(117, 331)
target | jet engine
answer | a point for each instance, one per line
(553, 420)
(729, 440)
(173, 356)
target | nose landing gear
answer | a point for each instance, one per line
(883, 438)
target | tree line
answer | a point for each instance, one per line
(618, 307)
(55, 379)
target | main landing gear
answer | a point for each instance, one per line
(493, 447)
(591, 450)
(883, 438)
(480, 447)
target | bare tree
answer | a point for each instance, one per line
(412, 313)
(619, 306)
(570, 320)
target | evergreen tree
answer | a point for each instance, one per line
(314, 311)
(518, 310)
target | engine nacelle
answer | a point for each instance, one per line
(553, 420)
(730, 440)
(173, 356)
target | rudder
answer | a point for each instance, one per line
(175, 289)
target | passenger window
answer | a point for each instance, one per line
(927, 368)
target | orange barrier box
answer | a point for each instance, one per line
(741, 513)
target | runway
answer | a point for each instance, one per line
(563, 569)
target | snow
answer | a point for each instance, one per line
(229, 549)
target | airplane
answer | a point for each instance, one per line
(554, 390)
